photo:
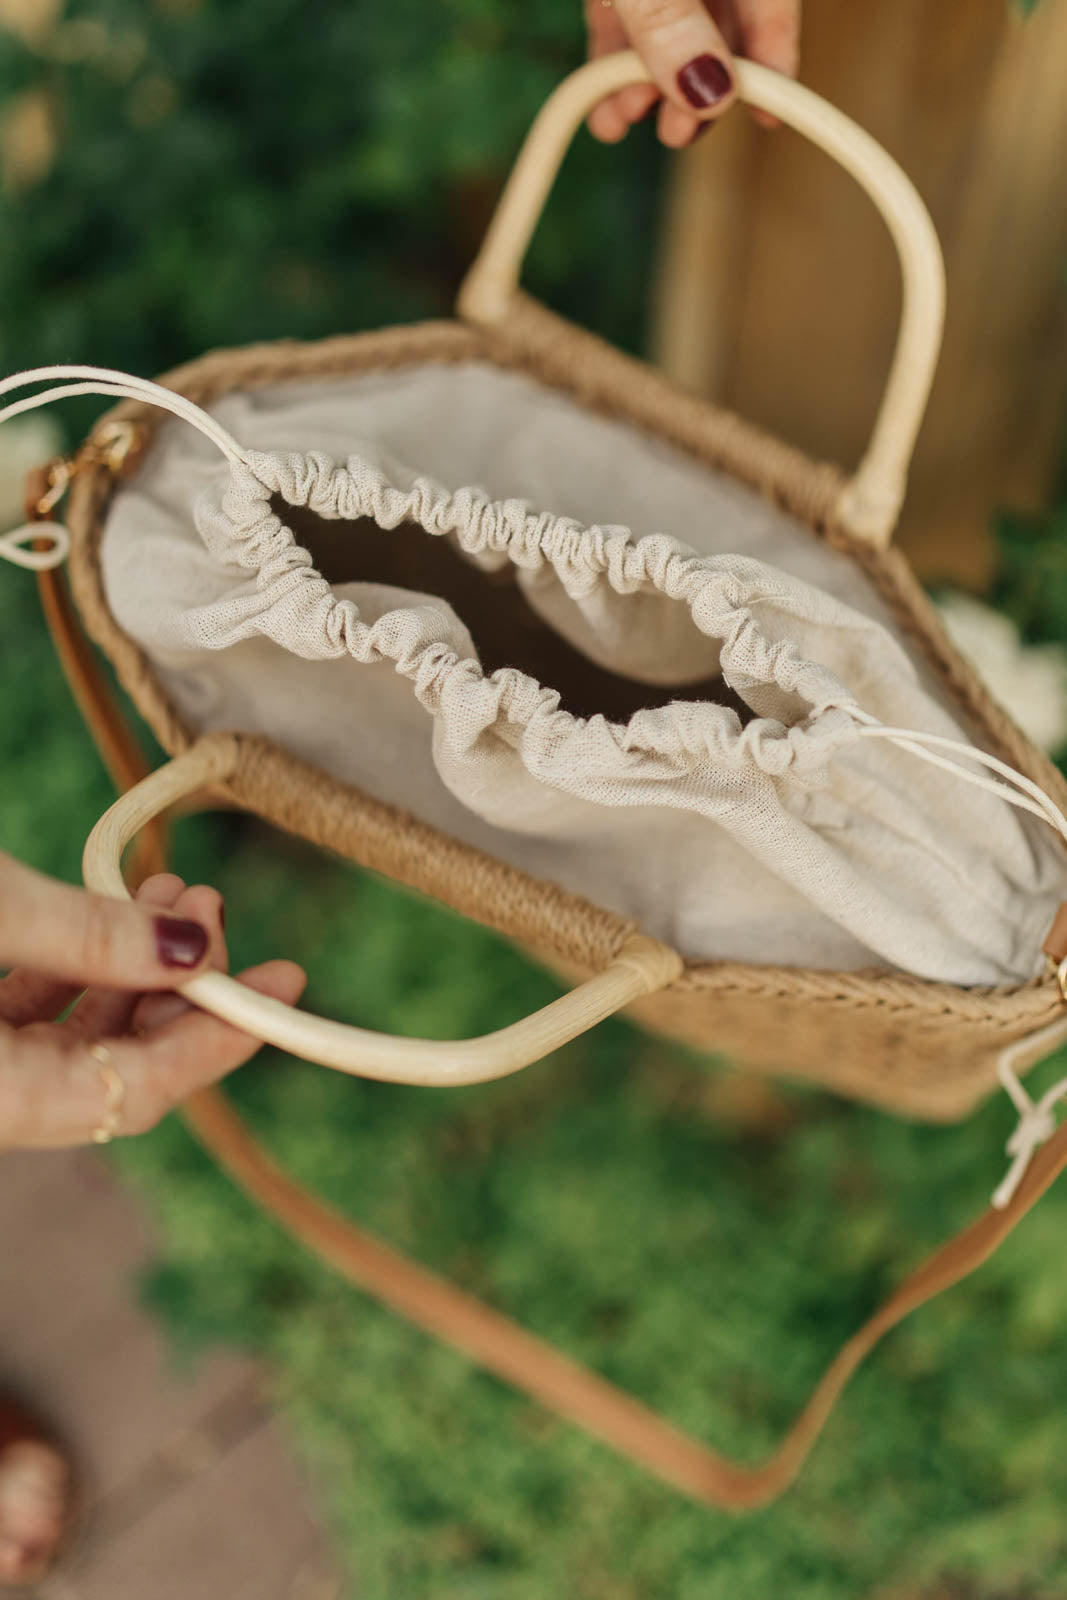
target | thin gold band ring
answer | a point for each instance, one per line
(110, 1123)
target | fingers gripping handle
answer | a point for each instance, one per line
(642, 966)
(871, 500)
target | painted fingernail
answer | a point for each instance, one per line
(705, 81)
(180, 943)
(222, 915)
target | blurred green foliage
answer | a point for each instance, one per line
(234, 170)
(243, 170)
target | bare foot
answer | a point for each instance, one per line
(35, 1491)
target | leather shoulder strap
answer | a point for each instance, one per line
(507, 1350)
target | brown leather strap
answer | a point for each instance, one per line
(114, 738)
(492, 1340)
(502, 1347)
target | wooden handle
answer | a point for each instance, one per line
(871, 501)
(641, 966)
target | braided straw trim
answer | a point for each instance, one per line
(925, 1049)
(257, 366)
(305, 801)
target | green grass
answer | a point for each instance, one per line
(602, 1197)
(711, 1267)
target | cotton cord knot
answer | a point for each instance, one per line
(1035, 1127)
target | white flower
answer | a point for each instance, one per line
(25, 443)
(1030, 681)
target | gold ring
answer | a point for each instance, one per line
(1058, 970)
(114, 1095)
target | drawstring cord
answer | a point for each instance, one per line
(77, 380)
(1038, 802)
(121, 385)
(1036, 1121)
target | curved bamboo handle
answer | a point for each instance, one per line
(871, 501)
(641, 966)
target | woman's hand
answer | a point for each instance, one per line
(152, 1048)
(689, 52)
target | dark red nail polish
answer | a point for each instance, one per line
(180, 943)
(705, 81)
(222, 915)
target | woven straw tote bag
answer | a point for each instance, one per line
(691, 752)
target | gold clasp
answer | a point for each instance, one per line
(45, 488)
(1055, 948)
(1058, 969)
(110, 446)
